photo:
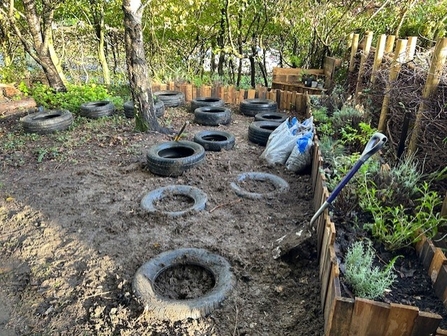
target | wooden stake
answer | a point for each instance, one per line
(431, 85)
(394, 72)
(378, 56)
(364, 57)
(390, 43)
(354, 47)
(411, 48)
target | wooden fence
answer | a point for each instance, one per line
(291, 101)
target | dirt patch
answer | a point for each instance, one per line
(73, 234)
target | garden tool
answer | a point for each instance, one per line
(179, 134)
(290, 241)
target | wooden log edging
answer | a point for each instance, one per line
(348, 316)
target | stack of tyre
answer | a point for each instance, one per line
(211, 111)
(266, 118)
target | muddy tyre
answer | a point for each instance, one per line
(212, 116)
(97, 109)
(259, 131)
(251, 107)
(271, 116)
(129, 110)
(215, 140)
(170, 98)
(279, 184)
(163, 308)
(199, 198)
(205, 101)
(47, 121)
(173, 158)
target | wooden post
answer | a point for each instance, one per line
(394, 71)
(378, 56)
(444, 207)
(431, 85)
(364, 57)
(389, 45)
(188, 93)
(411, 48)
(354, 47)
(350, 38)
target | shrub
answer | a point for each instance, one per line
(366, 280)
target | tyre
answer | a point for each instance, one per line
(212, 116)
(173, 158)
(259, 131)
(280, 185)
(47, 121)
(205, 101)
(97, 109)
(271, 116)
(251, 107)
(198, 196)
(215, 140)
(129, 110)
(176, 309)
(170, 98)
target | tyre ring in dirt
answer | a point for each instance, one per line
(212, 116)
(198, 197)
(280, 185)
(48, 121)
(205, 101)
(170, 98)
(176, 309)
(251, 107)
(259, 131)
(173, 158)
(215, 140)
(129, 110)
(97, 109)
(271, 116)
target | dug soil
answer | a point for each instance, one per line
(73, 233)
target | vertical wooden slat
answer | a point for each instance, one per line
(171, 86)
(340, 319)
(440, 285)
(330, 293)
(230, 94)
(327, 277)
(188, 93)
(444, 207)
(427, 253)
(400, 320)
(241, 95)
(163, 87)
(426, 324)
(437, 262)
(293, 102)
(251, 94)
(368, 317)
(411, 48)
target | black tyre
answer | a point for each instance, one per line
(170, 98)
(215, 140)
(259, 131)
(205, 101)
(271, 116)
(97, 109)
(173, 158)
(164, 308)
(199, 198)
(251, 107)
(129, 110)
(280, 185)
(212, 116)
(47, 121)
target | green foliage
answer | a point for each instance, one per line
(75, 96)
(367, 281)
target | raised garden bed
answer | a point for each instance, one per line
(348, 316)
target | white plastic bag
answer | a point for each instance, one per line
(301, 155)
(281, 142)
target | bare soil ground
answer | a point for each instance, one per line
(73, 234)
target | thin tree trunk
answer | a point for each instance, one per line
(137, 67)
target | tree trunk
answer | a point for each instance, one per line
(40, 29)
(137, 68)
(98, 20)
